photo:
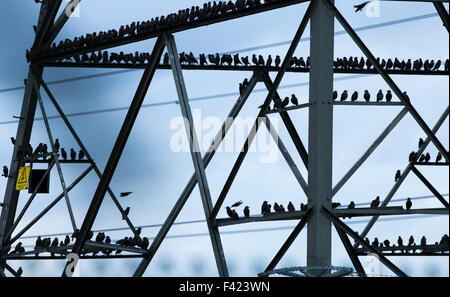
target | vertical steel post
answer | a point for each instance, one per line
(196, 154)
(320, 134)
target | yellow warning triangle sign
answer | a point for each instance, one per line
(23, 177)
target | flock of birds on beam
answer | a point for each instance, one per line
(444, 243)
(350, 63)
(354, 97)
(423, 158)
(43, 245)
(195, 13)
(266, 208)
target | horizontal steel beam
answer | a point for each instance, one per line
(236, 68)
(430, 164)
(364, 103)
(60, 161)
(179, 28)
(98, 257)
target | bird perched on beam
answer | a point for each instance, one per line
(438, 157)
(303, 207)
(125, 194)
(57, 145)
(423, 241)
(354, 96)
(361, 6)
(294, 99)
(389, 96)
(335, 205)
(247, 212)
(13, 140)
(398, 175)
(375, 203)
(411, 241)
(73, 154)
(408, 203)
(232, 213)
(344, 95)
(291, 207)
(264, 207)
(236, 204)
(64, 154)
(81, 155)
(5, 171)
(335, 95)
(420, 142)
(351, 205)
(380, 96)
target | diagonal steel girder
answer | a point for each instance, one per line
(88, 155)
(193, 181)
(404, 174)
(271, 96)
(430, 186)
(289, 241)
(388, 79)
(118, 147)
(195, 153)
(339, 224)
(443, 14)
(351, 252)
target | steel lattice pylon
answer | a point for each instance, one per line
(317, 158)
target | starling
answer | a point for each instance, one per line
(13, 140)
(100, 237)
(126, 212)
(400, 241)
(411, 241)
(423, 241)
(387, 243)
(255, 60)
(5, 171)
(335, 95)
(420, 142)
(344, 95)
(427, 157)
(75, 233)
(438, 157)
(408, 204)
(281, 208)
(80, 155)
(397, 175)
(276, 207)
(294, 99)
(406, 97)
(335, 205)
(375, 242)
(412, 156)
(236, 204)
(73, 154)
(64, 154)
(361, 6)
(380, 96)
(90, 235)
(232, 213)
(389, 96)
(67, 240)
(375, 203)
(264, 207)
(269, 61)
(422, 158)
(354, 96)
(19, 271)
(57, 145)
(125, 194)
(303, 207)
(351, 205)
(291, 206)
(277, 61)
(247, 212)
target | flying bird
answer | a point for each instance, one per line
(236, 204)
(361, 6)
(125, 194)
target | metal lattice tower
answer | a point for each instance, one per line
(317, 158)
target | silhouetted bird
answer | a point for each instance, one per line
(254, 59)
(438, 157)
(303, 207)
(125, 194)
(75, 233)
(398, 174)
(420, 142)
(277, 61)
(406, 97)
(5, 171)
(423, 241)
(375, 242)
(411, 241)
(408, 203)
(281, 208)
(19, 271)
(335, 95)
(400, 241)
(422, 158)
(335, 205)
(100, 237)
(80, 155)
(126, 212)
(344, 95)
(90, 235)
(236, 204)
(351, 205)
(290, 206)
(389, 96)
(13, 140)
(269, 61)
(264, 207)
(380, 96)
(294, 99)
(246, 211)
(73, 154)
(361, 6)
(64, 154)
(66, 240)
(427, 157)
(387, 243)
(412, 156)
(375, 203)
(276, 207)
(57, 145)
(354, 96)
(232, 213)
